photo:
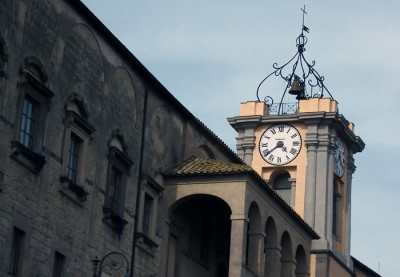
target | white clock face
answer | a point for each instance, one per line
(280, 144)
(339, 157)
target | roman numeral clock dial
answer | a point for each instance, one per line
(280, 144)
(339, 157)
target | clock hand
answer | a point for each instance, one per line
(279, 144)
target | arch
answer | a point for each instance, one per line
(255, 242)
(271, 249)
(76, 103)
(200, 226)
(287, 263)
(205, 151)
(301, 262)
(35, 67)
(117, 140)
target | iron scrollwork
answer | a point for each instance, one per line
(302, 74)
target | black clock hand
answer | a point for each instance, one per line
(279, 144)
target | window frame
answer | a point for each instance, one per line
(76, 127)
(16, 254)
(59, 264)
(113, 215)
(153, 190)
(35, 89)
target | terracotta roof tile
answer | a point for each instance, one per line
(196, 166)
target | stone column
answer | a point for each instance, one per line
(288, 268)
(311, 142)
(272, 265)
(237, 255)
(256, 252)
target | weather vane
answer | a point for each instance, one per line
(302, 73)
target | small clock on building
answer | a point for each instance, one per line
(339, 157)
(280, 144)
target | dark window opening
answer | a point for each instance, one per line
(16, 252)
(28, 121)
(148, 202)
(59, 261)
(73, 157)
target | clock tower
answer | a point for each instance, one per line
(304, 150)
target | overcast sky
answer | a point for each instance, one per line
(211, 55)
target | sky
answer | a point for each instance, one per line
(211, 55)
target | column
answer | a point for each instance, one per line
(256, 252)
(237, 255)
(311, 142)
(272, 265)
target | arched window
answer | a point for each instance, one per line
(287, 262)
(78, 132)
(301, 262)
(255, 240)
(271, 249)
(117, 174)
(33, 106)
(283, 186)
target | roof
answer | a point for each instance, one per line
(209, 167)
(196, 166)
(120, 48)
(362, 267)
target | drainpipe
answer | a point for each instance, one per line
(135, 233)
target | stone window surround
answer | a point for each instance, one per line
(114, 217)
(76, 125)
(34, 87)
(149, 188)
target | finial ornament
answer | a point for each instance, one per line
(302, 75)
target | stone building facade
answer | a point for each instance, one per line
(96, 156)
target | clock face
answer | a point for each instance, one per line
(280, 144)
(339, 157)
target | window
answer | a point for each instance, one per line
(73, 157)
(78, 132)
(114, 188)
(149, 197)
(58, 267)
(31, 116)
(283, 187)
(336, 211)
(148, 202)
(16, 252)
(28, 120)
(117, 174)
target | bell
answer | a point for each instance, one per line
(297, 88)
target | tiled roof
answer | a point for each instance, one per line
(196, 166)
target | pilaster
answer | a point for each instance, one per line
(237, 255)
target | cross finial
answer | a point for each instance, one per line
(304, 28)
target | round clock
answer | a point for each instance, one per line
(280, 144)
(339, 157)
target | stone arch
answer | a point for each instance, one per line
(204, 151)
(35, 67)
(287, 263)
(283, 184)
(271, 249)
(121, 97)
(301, 262)
(255, 242)
(82, 68)
(117, 140)
(199, 226)
(40, 36)
(76, 103)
